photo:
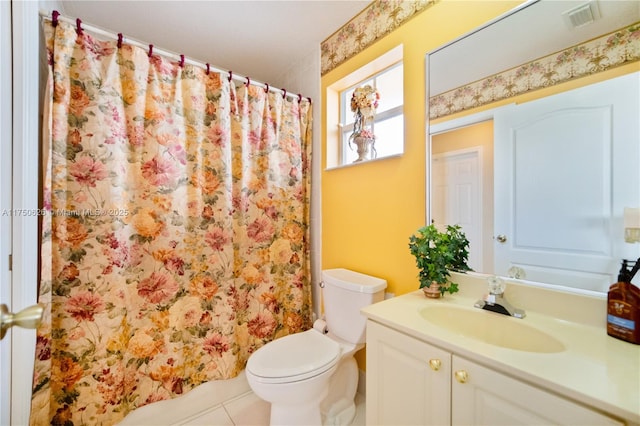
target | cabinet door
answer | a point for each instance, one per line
(408, 381)
(480, 396)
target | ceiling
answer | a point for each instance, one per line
(263, 39)
(258, 39)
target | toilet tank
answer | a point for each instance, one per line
(344, 293)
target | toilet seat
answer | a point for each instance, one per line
(294, 357)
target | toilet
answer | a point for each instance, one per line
(311, 378)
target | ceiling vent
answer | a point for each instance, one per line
(582, 15)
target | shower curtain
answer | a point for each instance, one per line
(176, 235)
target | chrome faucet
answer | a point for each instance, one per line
(495, 301)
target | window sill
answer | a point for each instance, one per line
(374, 160)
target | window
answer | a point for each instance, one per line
(388, 124)
(386, 74)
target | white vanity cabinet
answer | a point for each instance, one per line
(410, 382)
(481, 396)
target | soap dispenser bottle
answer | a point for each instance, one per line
(623, 306)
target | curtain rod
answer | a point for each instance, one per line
(55, 16)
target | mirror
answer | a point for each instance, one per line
(540, 177)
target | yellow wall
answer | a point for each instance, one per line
(370, 210)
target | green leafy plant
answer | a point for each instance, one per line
(437, 253)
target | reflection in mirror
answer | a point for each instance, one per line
(540, 176)
(462, 187)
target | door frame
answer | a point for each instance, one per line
(6, 118)
(24, 125)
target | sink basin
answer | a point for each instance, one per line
(492, 328)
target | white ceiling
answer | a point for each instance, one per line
(263, 39)
(258, 39)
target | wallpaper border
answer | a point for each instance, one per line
(378, 19)
(611, 50)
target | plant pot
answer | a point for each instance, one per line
(433, 291)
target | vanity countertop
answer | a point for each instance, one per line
(595, 369)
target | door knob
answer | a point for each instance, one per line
(27, 318)
(462, 376)
(501, 238)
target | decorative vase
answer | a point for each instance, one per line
(363, 147)
(433, 291)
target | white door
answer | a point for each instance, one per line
(19, 142)
(543, 224)
(457, 194)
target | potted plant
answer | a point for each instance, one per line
(437, 253)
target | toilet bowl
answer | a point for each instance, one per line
(293, 373)
(311, 378)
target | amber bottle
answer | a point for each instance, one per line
(623, 306)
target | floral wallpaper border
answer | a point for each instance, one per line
(374, 22)
(608, 51)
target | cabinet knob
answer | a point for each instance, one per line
(435, 364)
(462, 376)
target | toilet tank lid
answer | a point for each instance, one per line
(353, 281)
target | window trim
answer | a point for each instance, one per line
(333, 106)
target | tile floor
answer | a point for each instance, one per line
(219, 403)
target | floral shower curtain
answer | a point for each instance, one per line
(177, 236)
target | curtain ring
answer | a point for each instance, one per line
(248, 82)
(299, 97)
(284, 93)
(119, 40)
(78, 26)
(266, 89)
(230, 76)
(54, 18)
(208, 69)
(181, 61)
(150, 50)
(309, 99)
